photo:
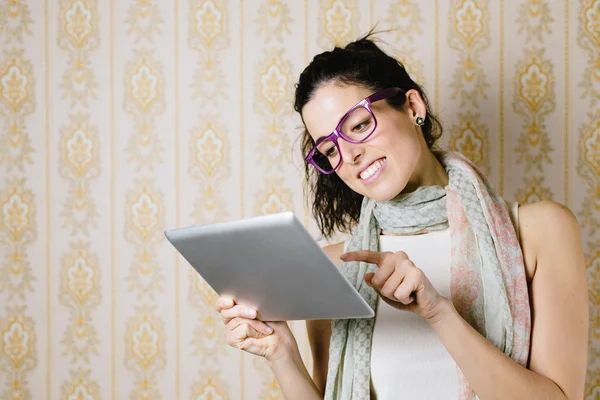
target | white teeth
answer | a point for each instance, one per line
(367, 173)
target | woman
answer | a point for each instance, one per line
(472, 298)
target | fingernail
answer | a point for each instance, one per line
(269, 329)
(343, 256)
(252, 313)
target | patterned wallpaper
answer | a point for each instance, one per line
(120, 119)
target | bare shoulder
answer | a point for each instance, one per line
(546, 226)
(334, 251)
(547, 214)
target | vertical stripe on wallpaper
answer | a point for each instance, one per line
(501, 99)
(209, 37)
(437, 57)
(302, 66)
(469, 36)
(177, 194)
(534, 99)
(144, 105)
(566, 96)
(113, 179)
(242, 121)
(242, 162)
(270, 148)
(79, 293)
(305, 195)
(586, 124)
(47, 90)
(19, 279)
(588, 121)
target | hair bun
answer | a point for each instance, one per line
(362, 44)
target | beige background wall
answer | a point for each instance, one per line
(120, 119)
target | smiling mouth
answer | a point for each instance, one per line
(373, 168)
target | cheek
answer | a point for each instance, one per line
(402, 149)
(396, 141)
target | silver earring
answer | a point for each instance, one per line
(420, 121)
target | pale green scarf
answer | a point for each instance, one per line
(496, 302)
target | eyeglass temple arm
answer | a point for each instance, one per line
(384, 94)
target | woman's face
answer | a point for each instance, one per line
(385, 164)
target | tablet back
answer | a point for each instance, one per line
(270, 263)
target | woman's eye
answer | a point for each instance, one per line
(362, 126)
(331, 152)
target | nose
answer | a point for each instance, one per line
(351, 152)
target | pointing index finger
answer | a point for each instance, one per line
(371, 257)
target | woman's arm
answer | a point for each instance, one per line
(319, 335)
(293, 378)
(559, 300)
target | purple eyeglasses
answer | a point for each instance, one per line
(356, 126)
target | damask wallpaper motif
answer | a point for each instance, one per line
(120, 119)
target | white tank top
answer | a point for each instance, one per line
(408, 360)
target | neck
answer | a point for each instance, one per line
(429, 172)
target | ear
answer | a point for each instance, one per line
(416, 105)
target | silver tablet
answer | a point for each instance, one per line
(270, 263)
